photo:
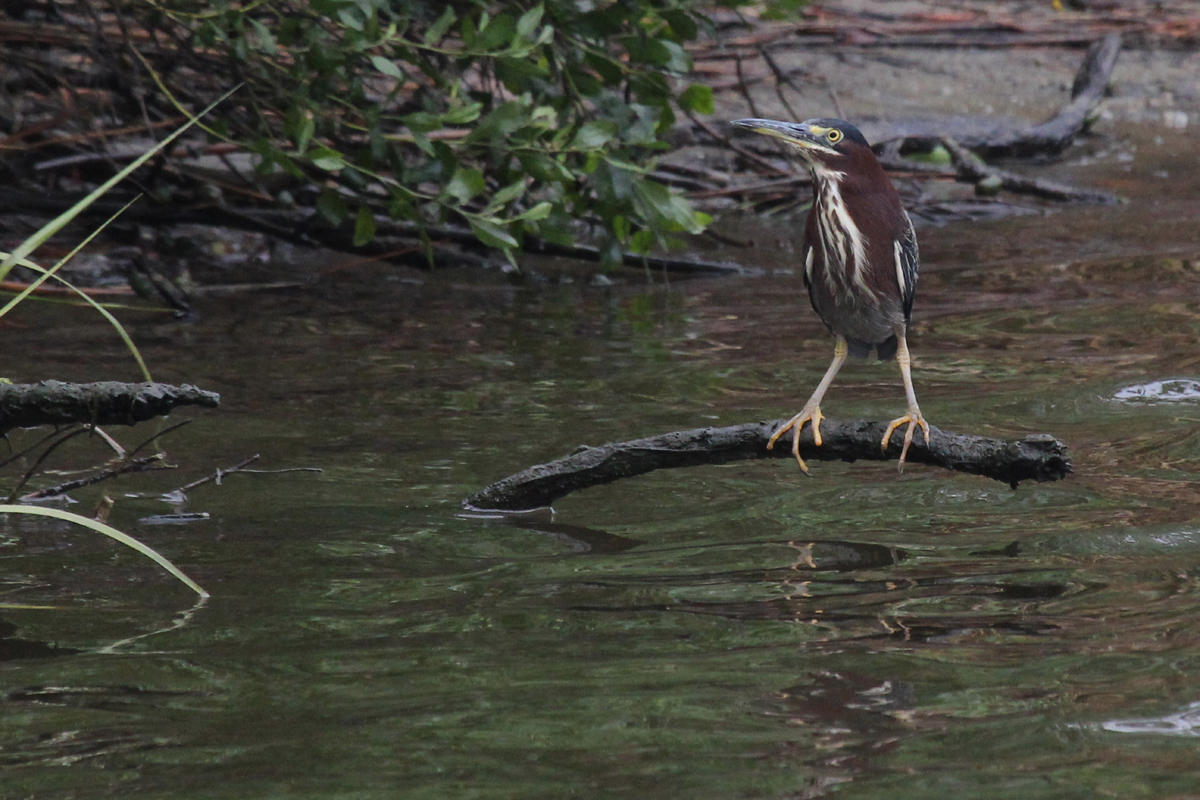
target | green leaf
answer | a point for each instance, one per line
(677, 58)
(364, 227)
(501, 122)
(620, 226)
(470, 36)
(490, 232)
(438, 29)
(422, 122)
(499, 32)
(510, 192)
(326, 159)
(266, 42)
(540, 211)
(584, 82)
(387, 67)
(332, 207)
(351, 18)
(642, 241)
(610, 71)
(697, 98)
(558, 227)
(518, 73)
(682, 25)
(528, 23)
(463, 114)
(422, 142)
(400, 206)
(304, 131)
(466, 183)
(646, 50)
(670, 211)
(650, 87)
(544, 168)
(594, 135)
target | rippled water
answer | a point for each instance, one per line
(735, 631)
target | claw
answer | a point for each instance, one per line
(913, 418)
(795, 424)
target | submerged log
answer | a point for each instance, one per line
(27, 405)
(1038, 457)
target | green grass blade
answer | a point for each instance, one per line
(125, 337)
(46, 274)
(109, 531)
(49, 273)
(55, 225)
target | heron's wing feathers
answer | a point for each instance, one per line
(908, 264)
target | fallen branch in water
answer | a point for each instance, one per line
(27, 405)
(152, 463)
(1038, 457)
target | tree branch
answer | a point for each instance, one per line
(994, 138)
(27, 405)
(1038, 457)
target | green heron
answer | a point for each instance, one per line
(860, 262)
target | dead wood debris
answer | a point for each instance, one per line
(1039, 457)
(1049, 138)
(102, 403)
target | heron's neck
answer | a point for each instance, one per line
(823, 174)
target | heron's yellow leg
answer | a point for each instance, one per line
(812, 409)
(913, 416)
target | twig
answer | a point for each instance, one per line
(1038, 457)
(28, 449)
(108, 440)
(71, 434)
(753, 188)
(158, 436)
(837, 101)
(780, 79)
(720, 138)
(972, 169)
(145, 464)
(218, 475)
(744, 88)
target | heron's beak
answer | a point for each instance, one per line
(802, 136)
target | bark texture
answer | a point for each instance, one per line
(27, 405)
(1038, 457)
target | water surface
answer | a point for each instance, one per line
(735, 631)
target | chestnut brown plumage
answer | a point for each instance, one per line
(860, 261)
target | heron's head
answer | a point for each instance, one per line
(831, 143)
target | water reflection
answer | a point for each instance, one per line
(1174, 390)
(1181, 723)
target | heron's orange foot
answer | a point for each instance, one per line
(811, 415)
(913, 418)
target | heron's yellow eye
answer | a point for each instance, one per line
(834, 136)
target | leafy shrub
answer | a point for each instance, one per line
(519, 118)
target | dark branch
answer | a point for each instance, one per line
(972, 169)
(1053, 135)
(106, 403)
(1038, 457)
(998, 139)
